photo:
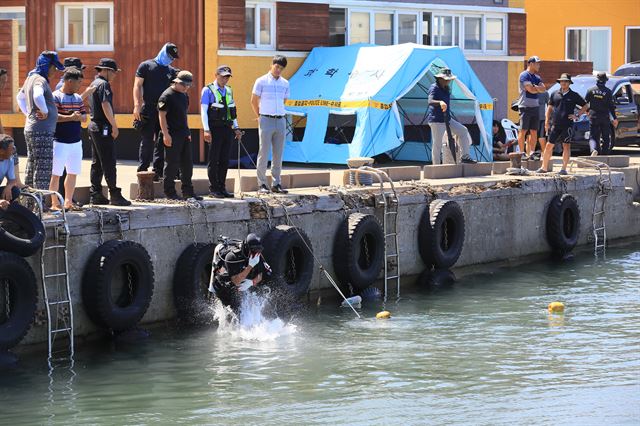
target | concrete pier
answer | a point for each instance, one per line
(505, 218)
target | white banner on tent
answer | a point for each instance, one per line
(370, 74)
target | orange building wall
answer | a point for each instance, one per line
(548, 19)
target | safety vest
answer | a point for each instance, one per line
(222, 111)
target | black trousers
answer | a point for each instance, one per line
(601, 129)
(103, 161)
(221, 140)
(151, 146)
(178, 156)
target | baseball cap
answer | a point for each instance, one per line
(172, 50)
(534, 60)
(184, 77)
(223, 70)
(3, 71)
(48, 58)
(107, 64)
(74, 62)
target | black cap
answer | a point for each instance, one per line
(3, 71)
(172, 50)
(107, 64)
(602, 77)
(223, 70)
(252, 243)
(534, 60)
(74, 62)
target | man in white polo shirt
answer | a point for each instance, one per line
(267, 100)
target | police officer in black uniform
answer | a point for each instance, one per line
(153, 77)
(219, 120)
(242, 267)
(601, 106)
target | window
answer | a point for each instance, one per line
(407, 28)
(260, 26)
(383, 29)
(337, 27)
(473, 33)
(17, 13)
(446, 30)
(590, 44)
(495, 34)
(633, 44)
(426, 29)
(359, 26)
(86, 27)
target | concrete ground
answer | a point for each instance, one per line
(127, 170)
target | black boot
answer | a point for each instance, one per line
(98, 199)
(117, 199)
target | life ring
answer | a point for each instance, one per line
(21, 231)
(441, 234)
(18, 292)
(286, 250)
(118, 284)
(563, 223)
(191, 282)
(358, 251)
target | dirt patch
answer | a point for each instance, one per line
(478, 189)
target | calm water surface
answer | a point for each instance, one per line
(482, 352)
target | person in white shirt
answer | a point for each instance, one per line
(267, 100)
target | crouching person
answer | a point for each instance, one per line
(11, 191)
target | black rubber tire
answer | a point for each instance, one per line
(191, 282)
(350, 259)
(31, 235)
(436, 279)
(563, 223)
(434, 250)
(282, 245)
(125, 311)
(23, 298)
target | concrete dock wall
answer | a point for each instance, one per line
(504, 218)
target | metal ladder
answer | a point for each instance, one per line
(599, 227)
(55, 283)
(389, 201)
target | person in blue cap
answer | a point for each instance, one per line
(153, 77)
(36, 102)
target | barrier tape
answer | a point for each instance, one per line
(337, 104)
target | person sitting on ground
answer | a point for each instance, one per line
(561, 108)
(4, 77)
(67, 142)
(500, 146)
(438, 115)
(240, 269)
(11, 191)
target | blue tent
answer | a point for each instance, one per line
(357, 100)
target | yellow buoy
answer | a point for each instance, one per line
(383, 315)
(556, 307)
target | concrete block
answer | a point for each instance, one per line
(309, 180)
(500, 167)
(478, 169)
(532, 164)
(250, 183)
(618, 161)
(442, 171)
(404, 173)
(83, 193)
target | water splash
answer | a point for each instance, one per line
(250, 324)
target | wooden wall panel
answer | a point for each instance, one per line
(231, 24)
(517, 34)
(550, 70)
(302, 26)
(141, 28)
(7, 57)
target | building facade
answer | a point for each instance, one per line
(604, 33)
(245, 34)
